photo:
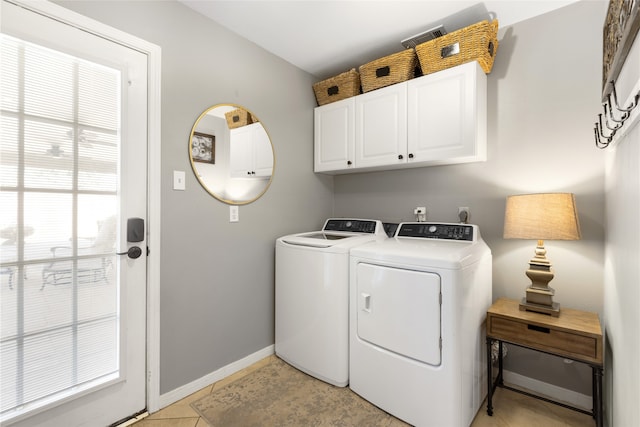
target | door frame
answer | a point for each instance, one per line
(154, 173)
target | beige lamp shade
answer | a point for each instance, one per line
(546, 216)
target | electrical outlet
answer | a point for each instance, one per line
(421, 213)
(234, 213)
(463, 214)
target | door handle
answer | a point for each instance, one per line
(133, 252)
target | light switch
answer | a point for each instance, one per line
(178, 180)
(234, 214)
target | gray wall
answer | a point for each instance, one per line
(217, 278)
(543, 94)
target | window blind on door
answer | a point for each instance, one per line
(59, 156)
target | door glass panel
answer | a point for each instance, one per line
(98, 160)
(9, 153)
(48, 155)
(60, 145)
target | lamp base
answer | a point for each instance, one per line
(552, 310)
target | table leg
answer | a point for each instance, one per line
(594, 398)
(500, 381)
(597, 396)
(490, 378)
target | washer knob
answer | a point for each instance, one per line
(432, 229)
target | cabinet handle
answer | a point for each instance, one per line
(411, 155)
(400, 157)
(349, 162)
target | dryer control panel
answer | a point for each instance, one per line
(430, 230)
(353, 225)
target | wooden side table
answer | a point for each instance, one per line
(574, 335)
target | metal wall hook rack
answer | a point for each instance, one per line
(633, 105)
(608, 105)
(603, 140)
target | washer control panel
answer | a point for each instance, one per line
(430, 230)
(352, 225)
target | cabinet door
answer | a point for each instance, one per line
(447, 116)
(262, 151)
(334, 134)
(381, 127)
(240, 152)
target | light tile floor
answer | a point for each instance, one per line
(510, 410)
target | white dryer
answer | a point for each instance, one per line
(312, 296)
(417, 308)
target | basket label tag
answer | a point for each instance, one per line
(333, 90)
(383, 71)
(452, 49)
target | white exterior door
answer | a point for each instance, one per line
(74, 170)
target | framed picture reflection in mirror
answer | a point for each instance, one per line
(203, 148)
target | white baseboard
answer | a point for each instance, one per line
(230, 369)
(573, 398)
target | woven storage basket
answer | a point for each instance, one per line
(237, 118)
(336, 88)
(477, 42)
(391, 69)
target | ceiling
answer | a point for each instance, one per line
(328, 37)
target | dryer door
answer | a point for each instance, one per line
(399, 310)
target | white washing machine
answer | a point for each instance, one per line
(417, 308)
(312, 296)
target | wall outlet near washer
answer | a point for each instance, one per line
(463, 214)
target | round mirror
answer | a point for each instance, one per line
(231, 154)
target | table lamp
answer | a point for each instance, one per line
(547, 216)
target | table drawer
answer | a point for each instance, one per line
(543, 338)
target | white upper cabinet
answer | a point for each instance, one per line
(436, 119)
(334, 136)
(447, 116)
(381, 127)
(251, 155)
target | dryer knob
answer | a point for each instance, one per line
(433, 229)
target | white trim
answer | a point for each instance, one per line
(230, 369)
(564, 395)
(154, 174)
(153, 230)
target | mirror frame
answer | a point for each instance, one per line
(195, 171)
